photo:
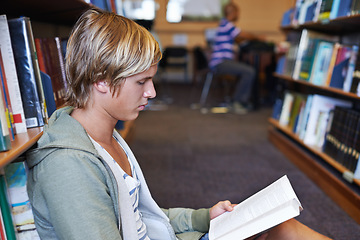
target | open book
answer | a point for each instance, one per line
(267, 208)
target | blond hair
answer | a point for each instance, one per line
(106, 46)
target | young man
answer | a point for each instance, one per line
(223, 58)
(84, 181)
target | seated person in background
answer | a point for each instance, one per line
(84, 181)
(223, 58)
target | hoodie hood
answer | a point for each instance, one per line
(59, 134)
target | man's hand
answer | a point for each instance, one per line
(220, 208)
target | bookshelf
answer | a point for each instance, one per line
(325, 171)
(65, 13)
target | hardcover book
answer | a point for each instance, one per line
(355, 7)
(51, 52)
(11, 77)
(16, 181)
(340, 67)
(306, 52)
(5, 210)
(6, 100)
(318, 118)
(25, 70)
(321, 63)
(325, 9)
(5, 139)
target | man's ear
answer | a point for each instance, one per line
(101, 86)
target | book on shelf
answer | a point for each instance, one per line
(318, 118)
(18, 115)
(332, 63)
(355, 82)
(325, 10)
(52, 63)
(36, 69)
(340, 8)
(16, 181)
(306, 52)
(25, 70)
(265, 209)
(277, 109)
(340, 68)
(102, 4)
(6, 100)
(321, 63)
(296, 12)
(2, 227)
(296, 111)
(288, 102)
(342, 141)
(5, 138)
(290, 59)
(307, 11)
(304, 118)
(49, 93)
(350, 68)
(355, 7)
(5, 209)
(286, 18)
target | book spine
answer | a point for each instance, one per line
(37, 74)
(5, 139)
(2, 227)
(54, 68)
(350, 68)
(12, 77)
(16, 182)
(8, 109)
(25, 70)
(5, 210)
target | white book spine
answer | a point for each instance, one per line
(11, 77)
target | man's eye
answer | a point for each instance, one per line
(141, 82)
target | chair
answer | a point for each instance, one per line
(201, 67)
(175, 57)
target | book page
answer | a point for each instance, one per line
(274, 196)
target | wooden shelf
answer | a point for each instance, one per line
(341, 25)
(25, 141)
(335, 188)
(22, 142)
(323, 88)
(316, 151)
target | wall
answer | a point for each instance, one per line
(261, 17)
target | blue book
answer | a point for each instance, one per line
(277, 109)
(310, 12)
(286, 19)
(321, 63)
(340, 68)
(102, 4)
(340, 8)
(280, 65)
(48, 92)
(25, 69)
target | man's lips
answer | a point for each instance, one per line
(142, 106)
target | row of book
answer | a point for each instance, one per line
(321, 60)
(342, 140)
(32, 75)
(312, 118)
(16, 215)
(306, 11)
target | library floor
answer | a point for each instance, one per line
(194, 160)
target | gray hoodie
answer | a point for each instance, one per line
(74, 194)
